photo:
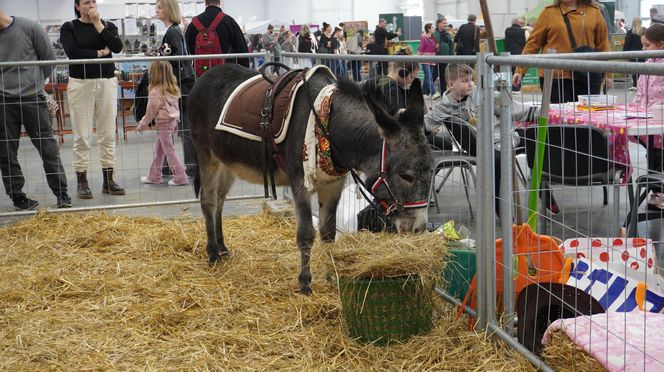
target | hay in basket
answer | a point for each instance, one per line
(562, 354)
(386, 283)
(101, 291)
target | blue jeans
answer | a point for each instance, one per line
(356, 67)
(427, 84)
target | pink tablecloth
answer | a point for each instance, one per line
(619, 341)
(614, 121)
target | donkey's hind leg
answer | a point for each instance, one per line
(216, 180)
(225, 180)
(305, 233)
(328, 200)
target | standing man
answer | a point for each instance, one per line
(444, 47)
(467, 39)
(229, 32)
(381, 35)
(23, 102)
(515, 40)
(270, 42)
(515, 37)
(655, 17)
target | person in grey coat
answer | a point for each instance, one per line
(23, 103)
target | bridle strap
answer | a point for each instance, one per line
(382, 179)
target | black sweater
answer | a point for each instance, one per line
(229, 32)
(304, 44)
(183, 70)
(380, 37)
(82, 41)
(632, 42)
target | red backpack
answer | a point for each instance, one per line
(207, 42)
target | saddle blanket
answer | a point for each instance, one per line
(241, 115)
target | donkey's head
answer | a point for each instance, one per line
(401, 180)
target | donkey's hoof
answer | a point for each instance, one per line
(215, 258)
(305, 291)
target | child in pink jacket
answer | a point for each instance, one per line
(163, 109)
(649, 92)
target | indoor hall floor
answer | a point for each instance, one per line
(133, 159)
(581, 209)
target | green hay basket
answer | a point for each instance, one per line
(380, 311)
(459, 272)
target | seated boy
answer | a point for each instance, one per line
(457, 102)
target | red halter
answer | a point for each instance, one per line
(382, 180)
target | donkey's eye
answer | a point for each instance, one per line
(407, 177)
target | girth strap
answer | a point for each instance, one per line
(270, 152)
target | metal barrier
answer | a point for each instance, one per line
(133, 154)
(573, 222)
(495, 96)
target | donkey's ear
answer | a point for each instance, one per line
(388, 124)
(414, 114)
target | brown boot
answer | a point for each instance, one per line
(83, 190)
(109, 186)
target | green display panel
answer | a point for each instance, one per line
(394, 22)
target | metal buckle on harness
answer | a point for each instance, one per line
(395, 207)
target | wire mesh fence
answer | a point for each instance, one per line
(580, 243)
(41, 145)
(579, 181)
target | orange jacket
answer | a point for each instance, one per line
(550, 32)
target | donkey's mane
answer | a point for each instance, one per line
(368, 91)
(350, 88)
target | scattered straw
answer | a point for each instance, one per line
(562, 354)
(106, 292)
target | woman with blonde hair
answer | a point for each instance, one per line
(163, 109)
(306, 43)
(633, 43)
(173, 44)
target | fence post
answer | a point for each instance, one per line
(486, 223)
(507, 185)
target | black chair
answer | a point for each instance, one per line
(452, 155)
(448, 159)
(644, 184)
(578, 155)
(465, 138)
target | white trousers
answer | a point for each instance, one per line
(93, 103)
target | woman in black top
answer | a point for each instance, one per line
(306, 43)
(173, 44)
(325, 44)
(633, 43)
(92, 92)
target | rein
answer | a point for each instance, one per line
(367, 193)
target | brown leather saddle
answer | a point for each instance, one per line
(260, 101)
(259, 109)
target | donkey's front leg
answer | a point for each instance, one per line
(328, 200)
(305, 234)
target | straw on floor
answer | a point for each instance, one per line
(563, 354)
(108, 292)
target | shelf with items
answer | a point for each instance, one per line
(53, 32)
